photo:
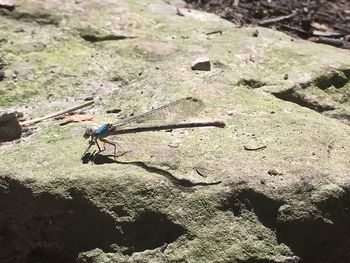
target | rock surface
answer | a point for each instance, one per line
(153, 204)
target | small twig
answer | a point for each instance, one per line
(247, 148)
(55, 114)
(236, 3)
(298, 30)
(330, 34)
(329, 41)
(273, 20)
(214, 32)
(200, 172)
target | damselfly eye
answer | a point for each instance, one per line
(87, 133)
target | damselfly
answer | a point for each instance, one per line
(168, 116)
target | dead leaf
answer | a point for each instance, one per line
(320, 26)
(76, 118)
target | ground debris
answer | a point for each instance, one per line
(302, 19)
(248, 148)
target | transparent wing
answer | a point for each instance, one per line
(173, 112)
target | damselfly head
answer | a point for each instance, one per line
(88, 133)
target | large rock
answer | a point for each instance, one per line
(10, 129)
(209, 199)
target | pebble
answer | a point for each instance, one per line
(174, 145)
(202, 63)
(89, 98)
(10, 129)
(274, 172)
(15, 74)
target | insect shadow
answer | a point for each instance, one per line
(182, 183)
(99, 158)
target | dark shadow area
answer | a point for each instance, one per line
(335, 78)
(93, 38)
(36, 17)
(323, 238)
(149, 231)
(265, 208)
(292, 95)
(251, 83)
(317, 239)
(44, 228)
(100, 159)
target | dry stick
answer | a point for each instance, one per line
(329, 41)
(273, 20)
(319, 33)
(55, 114)
(214, 32)
(247, 148)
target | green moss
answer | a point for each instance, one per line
(60, 71)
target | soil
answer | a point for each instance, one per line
(321, 21)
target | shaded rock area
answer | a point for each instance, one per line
(271, 186)
(328, 94)
(43, 227)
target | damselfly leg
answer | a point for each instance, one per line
(115, 147)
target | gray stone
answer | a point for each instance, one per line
(10, 129)
(202, 63)
(8, 4)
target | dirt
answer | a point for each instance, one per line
(321, 21)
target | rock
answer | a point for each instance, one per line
(202, 63)
(126, 209)
(274, 172)
(8, 4)
(89, 98)
(10, 129)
